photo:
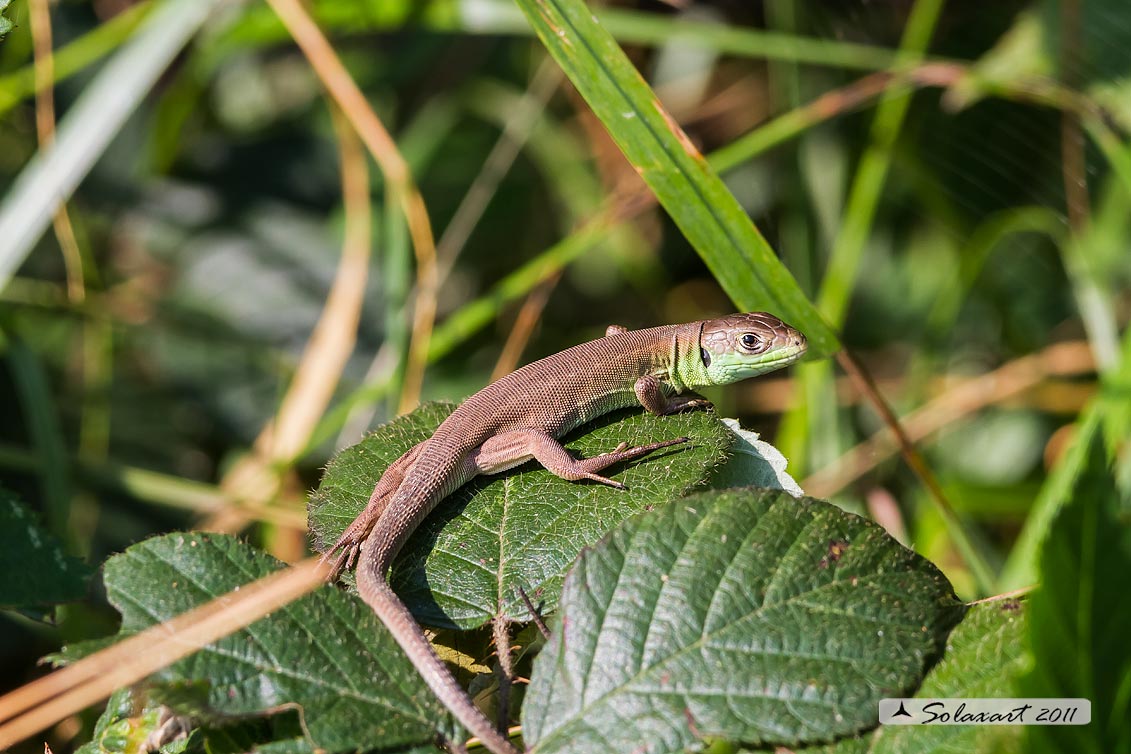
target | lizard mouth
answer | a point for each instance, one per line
(786, 355)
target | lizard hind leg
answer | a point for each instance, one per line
(510, 449)
(342, 555)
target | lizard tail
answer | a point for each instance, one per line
(375, 590)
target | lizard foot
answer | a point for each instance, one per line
(340, 559)
(622, 452)
(692, 402)
(343, 555)
(618, 449)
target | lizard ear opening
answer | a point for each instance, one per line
(706, 356)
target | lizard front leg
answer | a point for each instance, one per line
(651, 395)
(510, 449)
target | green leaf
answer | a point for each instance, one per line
(744, 614)
(1080, 618)
(39, 571)
(754, 463)
(1034, 48)
(133, 720)
(1115, 98)
(520, 529)
(5, 24)
(984, 655)
(1019, 53)
(692, 193)
(326, 652)
(126, 724)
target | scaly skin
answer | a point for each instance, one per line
(520, 417)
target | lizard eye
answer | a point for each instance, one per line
(752, 343)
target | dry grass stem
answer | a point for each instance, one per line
(964, 398)
(257, 478)
(39, 13)
(37, 705)
(524, 324)
(335, 334)
(341, 86)
(499, 160)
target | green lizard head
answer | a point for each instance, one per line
(739, 346)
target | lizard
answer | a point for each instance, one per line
(520, 417)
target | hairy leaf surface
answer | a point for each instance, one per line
(742, 614)
(47, 575)
(326, 652)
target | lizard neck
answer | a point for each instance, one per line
(685, 368)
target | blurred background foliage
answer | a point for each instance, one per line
(143, 355)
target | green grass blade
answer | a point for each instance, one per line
(44, 433)
(1118, 154)
(89, 126)
(1109, 412)
(259, 27)
(816, 417)
(692, 193)
(868, 184)
(477, 314)
(74, 56)
(640, 27)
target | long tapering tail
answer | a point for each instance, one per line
(374, 588)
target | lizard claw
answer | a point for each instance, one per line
(343, 554)
(338, 562)
(341, 557)
(605, 480)
(617, 449)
